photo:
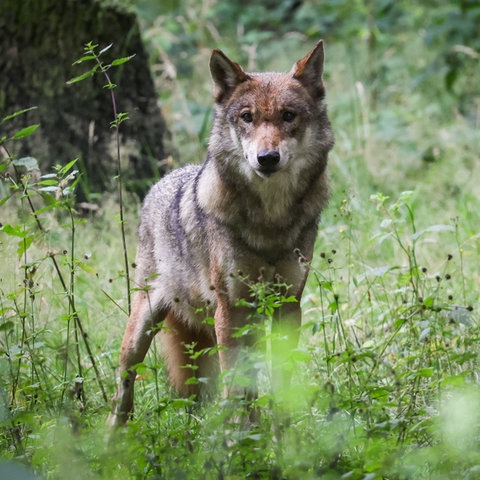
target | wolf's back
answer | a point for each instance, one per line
(168, 212)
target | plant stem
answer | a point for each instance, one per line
(116, 124)
(78, 323)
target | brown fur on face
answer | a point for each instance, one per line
(252, 206)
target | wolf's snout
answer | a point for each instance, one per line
(268, 159)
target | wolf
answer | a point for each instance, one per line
(252, 208)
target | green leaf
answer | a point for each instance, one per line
(8, 325)
(428, 302)
(26, 164)
(455, 380)
(121, 61)
(83, 76)
(53, 203)
(16, 114)
(333, 306)
(327, 285)
(25, 132)
(48, 182)
(405, 196)
(14, 231)
(67, 167)
(24, 245)
(87, 268)
(379, 393)
(425, 372)
(180, 403)
(90, 46)
(192, 381)
(85, 58)
(5, 199)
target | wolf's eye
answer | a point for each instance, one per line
(247, 117)
(288, 116)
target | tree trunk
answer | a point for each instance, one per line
(39, 41)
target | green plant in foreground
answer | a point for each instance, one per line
(28, 378)
(24, 342)
(93, 56)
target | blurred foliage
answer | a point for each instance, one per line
(450, 29)
(392, 68)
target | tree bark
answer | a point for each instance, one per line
(39, 41)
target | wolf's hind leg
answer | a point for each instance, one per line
(142, 325)
(181, 345)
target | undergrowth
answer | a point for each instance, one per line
(385, 381)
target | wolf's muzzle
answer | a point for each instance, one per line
(268, 160)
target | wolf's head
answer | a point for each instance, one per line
(271, 122)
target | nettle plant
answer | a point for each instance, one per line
(386, 338)
(93, 56)
(27, 342)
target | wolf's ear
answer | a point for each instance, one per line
(226, 75)
(309, 70)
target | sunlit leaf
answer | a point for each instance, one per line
(103, 50)
(83, 76)
(16, 114)
(120, 61)
(85, 58)
(86, 268)
(25, 132)
(13, 230)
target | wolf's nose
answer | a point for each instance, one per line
(268, 158)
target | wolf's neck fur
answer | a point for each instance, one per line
(260, 210)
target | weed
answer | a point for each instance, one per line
(91, 55)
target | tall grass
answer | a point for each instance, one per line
(385, 378)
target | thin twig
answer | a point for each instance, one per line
(119, 175)
(80, 327)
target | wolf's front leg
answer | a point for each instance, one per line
(141, 328)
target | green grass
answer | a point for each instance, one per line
(386, 374)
